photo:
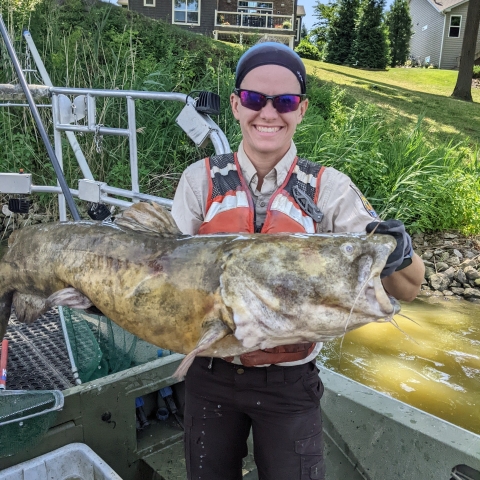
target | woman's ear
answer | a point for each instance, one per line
(302, 110)
(234, 102)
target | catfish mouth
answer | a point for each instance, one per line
(383, 304)
(388, 304)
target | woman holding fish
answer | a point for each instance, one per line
(266, 188)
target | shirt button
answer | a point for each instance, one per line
(262, 204)
(240, 371)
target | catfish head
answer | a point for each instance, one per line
(295, 288)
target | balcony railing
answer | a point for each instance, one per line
(254, 20)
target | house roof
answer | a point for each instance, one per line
(300, 11)
(446, 5)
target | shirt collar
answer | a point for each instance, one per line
(279, 171)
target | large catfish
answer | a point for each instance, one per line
(210, 295)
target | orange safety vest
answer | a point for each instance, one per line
(230, 209)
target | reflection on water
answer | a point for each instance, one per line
(434, 365)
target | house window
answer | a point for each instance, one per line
(297, 28)
(148, 3)
(455, 23)
(255, 8)
(186, 11)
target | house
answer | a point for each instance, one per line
(438, 27)
(280, 19)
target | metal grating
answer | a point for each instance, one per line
(37, 355)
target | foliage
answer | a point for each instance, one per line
(307, 50)
(399, 23)
(476, 71)
(304, 32)
(324, 14)
(370, 47)
(341, 31)
(17, 12)
(102, 46)
(400, 173)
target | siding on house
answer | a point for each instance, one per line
(426, 42)
(163, 10)
(452, 47)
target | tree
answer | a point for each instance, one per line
(370, 48)
(17, 10)
(399, 23)
(324, 14)
(341, 31)
(304, 32)
(463, 87)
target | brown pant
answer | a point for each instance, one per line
(280, 404)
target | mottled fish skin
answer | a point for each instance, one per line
(171, 289)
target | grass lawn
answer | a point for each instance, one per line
(408, 94)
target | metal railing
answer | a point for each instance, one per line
(254, 20)
(74, 112)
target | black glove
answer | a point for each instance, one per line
(403, 251)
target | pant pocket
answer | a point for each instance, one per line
(313, 386)
(311, 457)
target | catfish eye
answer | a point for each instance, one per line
(348, 248)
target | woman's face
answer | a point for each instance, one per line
(268, 132)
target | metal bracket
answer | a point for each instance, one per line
(71, 112)
(90, 190)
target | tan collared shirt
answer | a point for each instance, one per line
(343, 206)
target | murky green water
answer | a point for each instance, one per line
(436, 370)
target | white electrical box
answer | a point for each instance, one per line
(16, 183)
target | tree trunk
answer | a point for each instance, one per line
(463, 88)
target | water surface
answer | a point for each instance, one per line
(434, 365)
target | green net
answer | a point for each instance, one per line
(99, 346)
(25, 416)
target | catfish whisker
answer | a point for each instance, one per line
(395, 324)
(363, 286)
(408, 318)
(373, 231)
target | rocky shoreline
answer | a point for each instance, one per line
(452, 265)
(452, 261)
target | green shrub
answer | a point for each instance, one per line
(476, 71)
(307, 50)
(429, 188)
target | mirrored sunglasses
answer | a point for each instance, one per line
(288, 102)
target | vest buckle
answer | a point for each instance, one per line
(307, 205)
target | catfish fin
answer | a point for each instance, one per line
(29, 307)
(148, 218)
(212, 331)
(69, 297)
